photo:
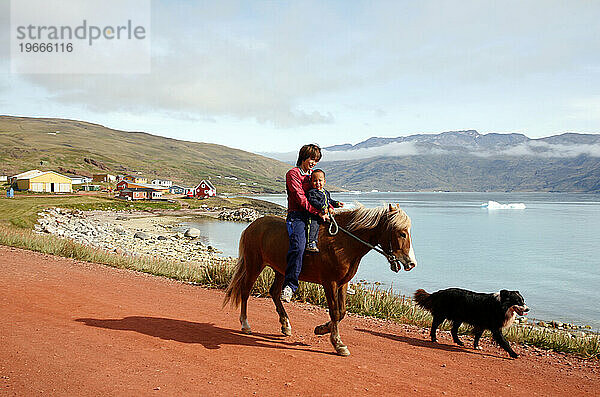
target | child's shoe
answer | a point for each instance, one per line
(312, 247)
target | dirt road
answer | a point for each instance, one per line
(73, 328)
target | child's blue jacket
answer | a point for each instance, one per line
(321, 199)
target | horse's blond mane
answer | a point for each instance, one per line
(368, 218)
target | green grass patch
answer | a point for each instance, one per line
(22, 211)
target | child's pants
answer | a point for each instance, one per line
(313, 229)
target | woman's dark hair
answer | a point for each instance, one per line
(310, 151)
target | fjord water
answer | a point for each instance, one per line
(550, 250)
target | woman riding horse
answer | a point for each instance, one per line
(297, 182)
(265, 243)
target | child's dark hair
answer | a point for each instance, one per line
(319, 170)
(310, 151)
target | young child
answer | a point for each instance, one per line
(319, 198)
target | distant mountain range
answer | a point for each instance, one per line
(471, 140)
(467, 161)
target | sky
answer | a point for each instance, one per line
(266, 76)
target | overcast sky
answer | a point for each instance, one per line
(271, 76)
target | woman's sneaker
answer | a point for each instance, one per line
(312, 247)
(286, 294)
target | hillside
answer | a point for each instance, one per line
(467, 173)
(86, 148)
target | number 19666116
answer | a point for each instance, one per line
(46, 47)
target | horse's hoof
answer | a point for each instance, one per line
(247, 331)
(342, 351)
(322, 330)
(286, 331)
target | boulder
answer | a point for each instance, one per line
(192, 232)
(141, 235)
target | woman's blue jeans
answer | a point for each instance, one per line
(296, 227)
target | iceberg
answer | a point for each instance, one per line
(493, 205)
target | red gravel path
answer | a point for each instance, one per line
(73, 328)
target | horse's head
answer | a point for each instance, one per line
(396, 241)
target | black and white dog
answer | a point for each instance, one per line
(483, 311)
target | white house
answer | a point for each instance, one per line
(79, 179)
(162, 182)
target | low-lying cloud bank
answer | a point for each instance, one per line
(534, 149)
(543, 149)
(402, 149)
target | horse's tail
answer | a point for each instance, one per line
(233, 293)
(423, 299)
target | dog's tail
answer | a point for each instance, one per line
(423, 299)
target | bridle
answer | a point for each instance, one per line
(391, 258)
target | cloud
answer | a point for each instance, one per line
(390, 150)
(294, 64)
(223, 66)
(544, 149)
(533, 148)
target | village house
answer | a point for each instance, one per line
(132, 194)
(176, 189)
(135, 178)
(39, 181)
(205, 189)
(3, 178)
(79, 180)
(124, 184)
(162, 182)
(13, 179)
(104, 177)
(140, 194)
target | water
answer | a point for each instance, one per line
(549, 251)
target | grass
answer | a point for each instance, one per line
(22, 211)
(19, 214)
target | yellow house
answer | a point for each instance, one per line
(49, 181)
(135, 179)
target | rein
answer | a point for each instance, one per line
(334, 228)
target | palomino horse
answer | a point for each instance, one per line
(265, 243)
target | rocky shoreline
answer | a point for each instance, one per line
(130, 233)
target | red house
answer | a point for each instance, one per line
(133, 194)
(205, 189)
(122, 185)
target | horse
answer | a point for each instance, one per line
(265, 243)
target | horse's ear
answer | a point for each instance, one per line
(392, 208)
